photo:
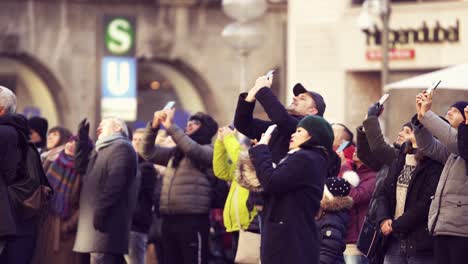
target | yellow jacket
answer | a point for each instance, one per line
(225, 157)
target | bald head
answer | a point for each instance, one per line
(7, 101)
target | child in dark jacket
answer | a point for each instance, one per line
(333, 217)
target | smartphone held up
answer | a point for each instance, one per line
(169, 105)
(433, 86)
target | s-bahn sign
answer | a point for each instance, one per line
(119, 36)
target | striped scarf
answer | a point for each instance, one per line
(65, 180)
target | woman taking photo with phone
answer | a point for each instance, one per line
(293, 191)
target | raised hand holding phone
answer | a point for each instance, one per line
(169, 105)
(269, 74)
(167, 118)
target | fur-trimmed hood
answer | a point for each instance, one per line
(336, 204)
(245, 173)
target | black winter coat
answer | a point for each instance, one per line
(253, 127)
(332, 225)
(10, 156)
(142, 217)
(412, 225)
(293, 191)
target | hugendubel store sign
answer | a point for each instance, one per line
(401, 40)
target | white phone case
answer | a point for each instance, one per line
(169, 105)
(270, 129)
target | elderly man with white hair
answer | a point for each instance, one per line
(108, 194)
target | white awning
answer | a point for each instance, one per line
(454, 77)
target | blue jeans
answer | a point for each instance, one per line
(137, 248)
(355, 259)
(396, 254)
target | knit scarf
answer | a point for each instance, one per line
(108, 140)
(65, 181)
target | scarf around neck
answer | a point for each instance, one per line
(108, 140)
(66, 182)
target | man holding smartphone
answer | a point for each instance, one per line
(286, 118)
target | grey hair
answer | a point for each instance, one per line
(7, 100)
(122, 125)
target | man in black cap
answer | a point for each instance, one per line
(304, 103)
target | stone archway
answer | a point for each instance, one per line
(178, 82)
(36, 86)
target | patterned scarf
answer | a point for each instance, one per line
(65, 180)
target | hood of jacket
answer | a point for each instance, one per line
(19, 122)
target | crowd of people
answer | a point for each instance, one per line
(209, 194)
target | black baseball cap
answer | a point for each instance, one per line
(318, 99)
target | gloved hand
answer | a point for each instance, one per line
(375, 110)
(83, 130)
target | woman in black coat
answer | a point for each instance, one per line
(293, 191)
(403, 205)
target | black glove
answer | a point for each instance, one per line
(375, 110)
(83, 130)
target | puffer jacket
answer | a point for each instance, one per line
(225, 158)
(185, 189)
(448, 213)
(332, 224)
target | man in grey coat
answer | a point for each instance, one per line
(185, 199)
(108, 194)
(448, 214)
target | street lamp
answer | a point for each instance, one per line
(243, 35)
(381, 8)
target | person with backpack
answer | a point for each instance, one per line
(17, 233)
(185, 200)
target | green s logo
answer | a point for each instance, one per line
(119, 36)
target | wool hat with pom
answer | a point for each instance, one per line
(335, 186)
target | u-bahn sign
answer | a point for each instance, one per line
(118, 68)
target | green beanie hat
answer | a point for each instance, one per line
(320, 131)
